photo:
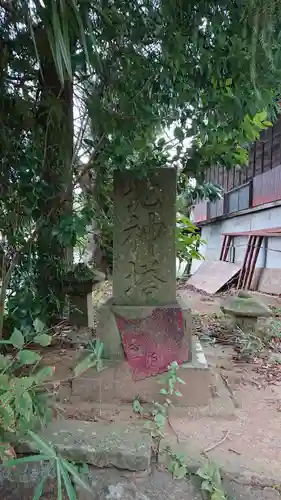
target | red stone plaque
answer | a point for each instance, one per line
(153, 342)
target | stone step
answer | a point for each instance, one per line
(101, 444)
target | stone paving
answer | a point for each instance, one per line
(113, 484)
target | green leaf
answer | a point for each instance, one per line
(137, 407)
(218, 495)
(4, 382)
(25, 460)
(217, 476)
(174, 365)
(180, 380)
(202, 473)
(180, 473)
(8, 420)
(42, 445)
(84, 365)
(27, 357)
(39, 326)
(160, 419)
(178, 393)
(171, 466)
(43, 339)
(75, 475)
(260, 117)
(59, 482)
(179, 134)
(24, 405)
(5, 361)
(44, 374)
(23, 383)
(68, 484)
(17, 339)
(206, 486)
(39, 488)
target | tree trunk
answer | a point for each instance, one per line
(55, 120)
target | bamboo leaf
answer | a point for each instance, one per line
(59, 481)
(68, 484)
(42, 445)
(81, 30)
(74, 473)
(25, 460)
(39, 488)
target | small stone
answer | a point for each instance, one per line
(101, 445)
(244, 305)
(275, 357)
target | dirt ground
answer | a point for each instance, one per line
(247, 444)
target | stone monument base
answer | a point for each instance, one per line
(118, 325)
(115, 384)
(127, 384)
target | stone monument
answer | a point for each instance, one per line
(78, 285)
(144, 322)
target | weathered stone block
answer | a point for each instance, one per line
(101, 445)
(144, 260)
(81, 310)
(108, 332)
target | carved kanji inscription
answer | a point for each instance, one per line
(144, 238)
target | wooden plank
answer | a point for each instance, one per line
(212, 275)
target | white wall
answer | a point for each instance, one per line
(264, 219)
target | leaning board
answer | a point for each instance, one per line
(212, 275)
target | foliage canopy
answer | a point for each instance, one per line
(210, 71)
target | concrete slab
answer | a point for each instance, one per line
(212, 275)
(102, 445)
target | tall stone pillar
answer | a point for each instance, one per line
(143, 321)
(144, 257)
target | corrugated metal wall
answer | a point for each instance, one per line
(267, 187)
(265, 155)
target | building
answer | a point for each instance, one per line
(251, 202)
